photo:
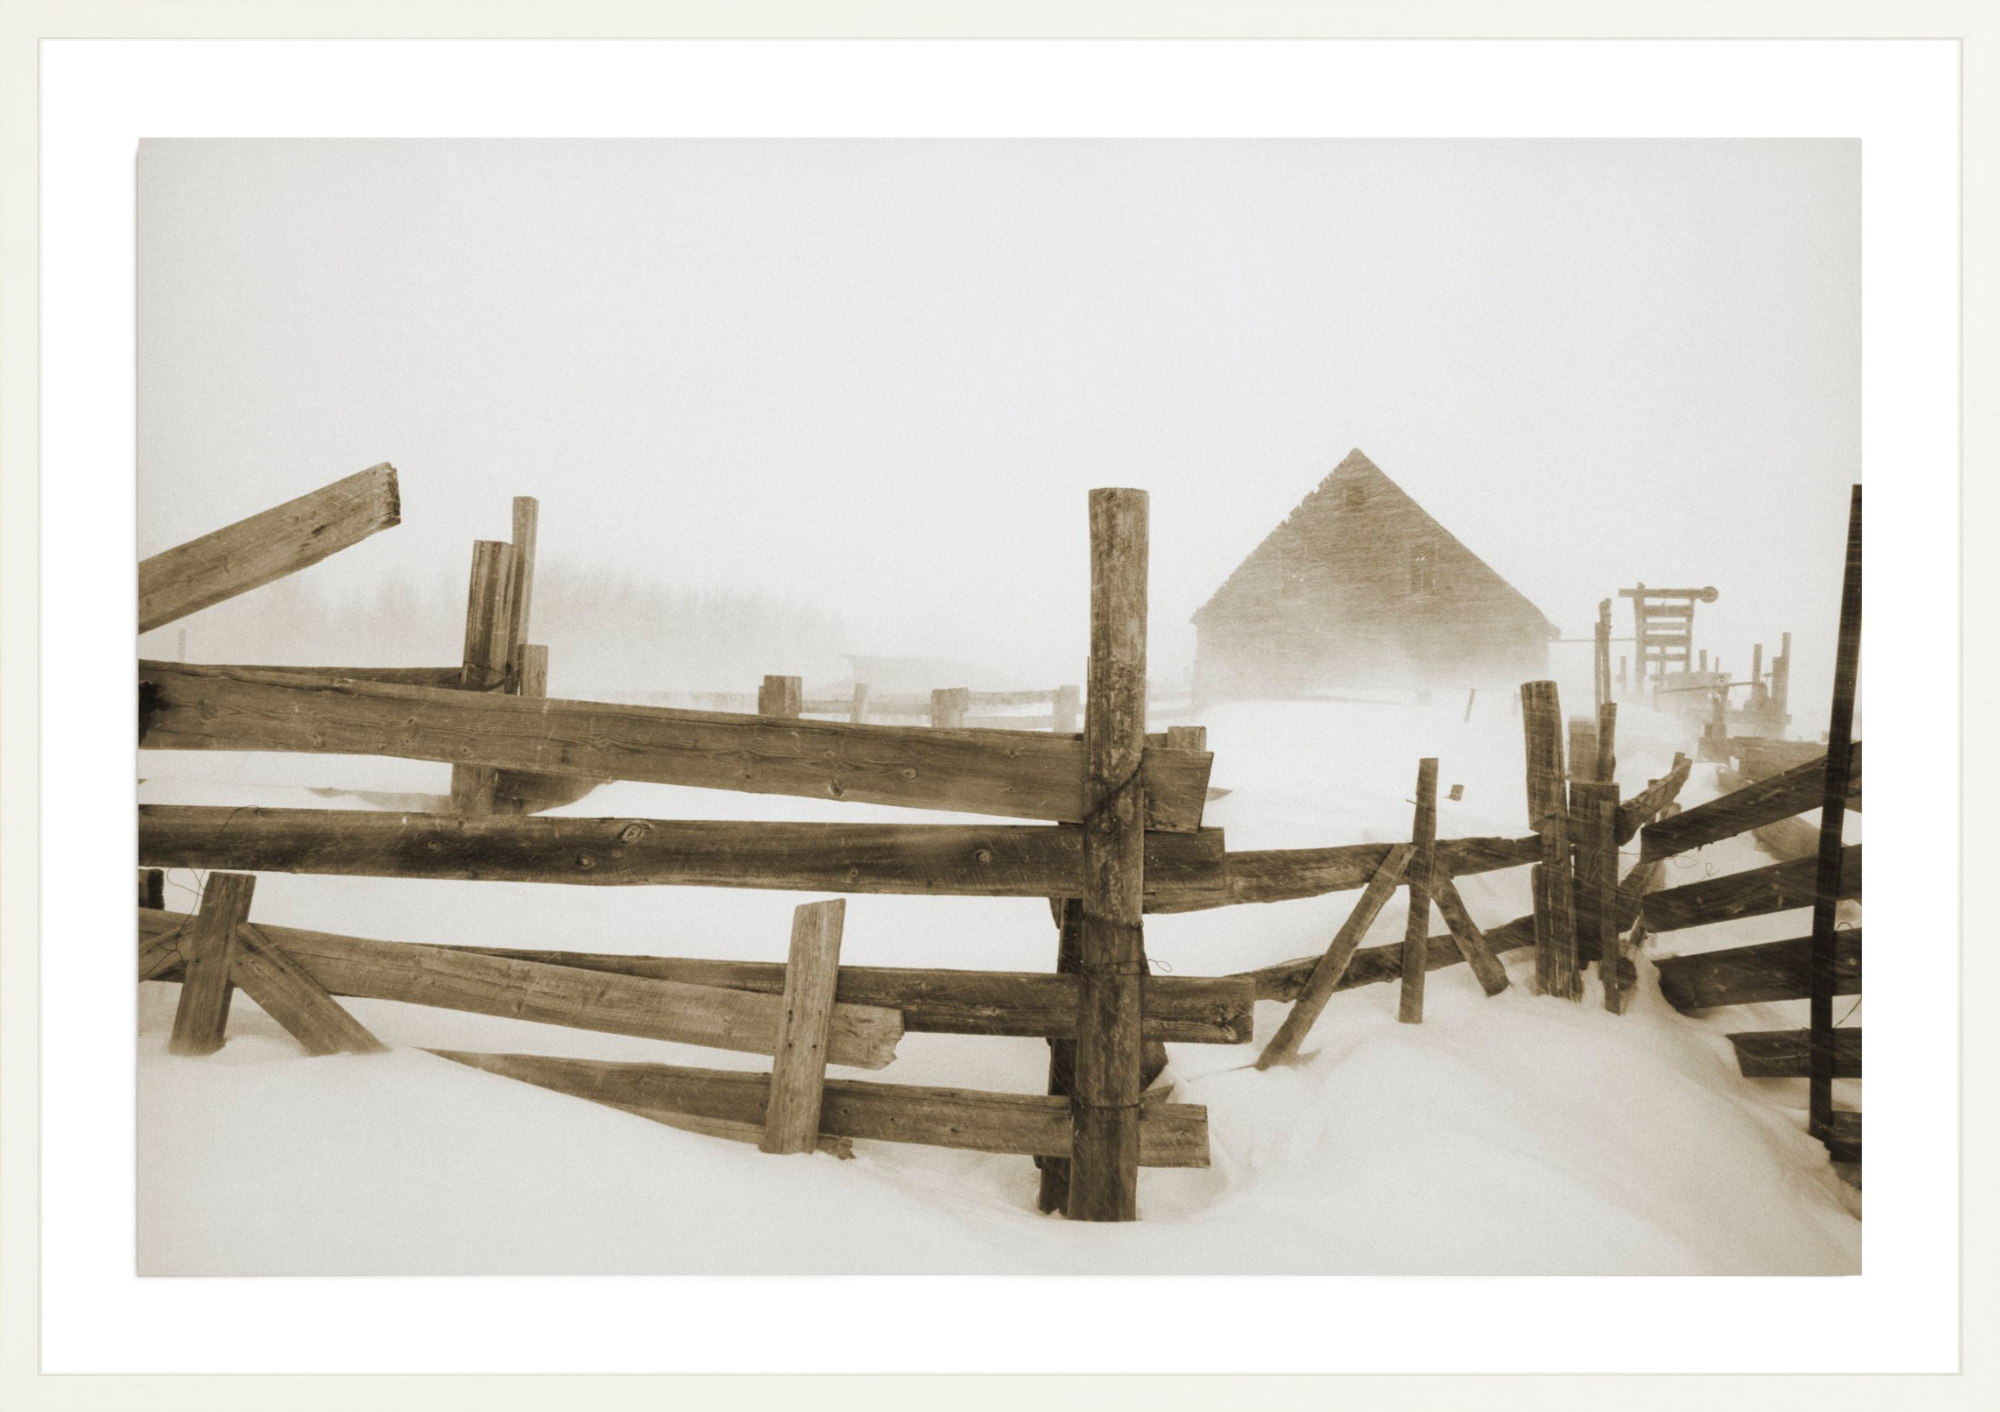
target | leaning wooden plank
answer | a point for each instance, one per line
(284, 991)
(208, 942)
(1015, 774)
(1034, 1004)
(798, 1067)
(160, 956)
(970, 860)
(863, 1036)
(1327, 972)
(1767, 801)
(1774, 888)
(1373, 965)
(1748, 975)
(1025, 1125)
(1635, 812)
(1465, 934)
(1288, 874)
(1787, 1054)
(253, 552)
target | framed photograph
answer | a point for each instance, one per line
(1009, 701)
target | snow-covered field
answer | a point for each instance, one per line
(1513, 1135)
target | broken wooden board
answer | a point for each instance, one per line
(267, 546)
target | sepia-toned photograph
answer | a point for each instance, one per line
(988, 707)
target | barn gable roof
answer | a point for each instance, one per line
(1356, 467)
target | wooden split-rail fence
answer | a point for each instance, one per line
(1118, 827)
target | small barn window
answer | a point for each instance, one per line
(1423, 567)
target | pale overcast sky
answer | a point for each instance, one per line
(884, 374)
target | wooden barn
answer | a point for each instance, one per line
(1360, 587)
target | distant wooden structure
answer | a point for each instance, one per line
(1361, 587)
(1663, 628)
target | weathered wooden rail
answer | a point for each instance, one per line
(267, 546)
(684, 1012)
(1179, 1009)
(1010, 774)
(970, 860)
(1028, 1125)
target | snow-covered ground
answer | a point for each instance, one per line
(1513, 1135)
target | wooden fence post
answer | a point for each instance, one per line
(1068, 705)
(858, 711)
(489, 643)
(208, 942)
(1601, 654)
(781, 696)
(1417, 929)
(1548, 811)
(527, 516)
(1054, 1192)
(534, 670)
(1833, 815)
(1104, 1153)
(1325, 977)
(948, 707)
(1781, 680)
(798, 1070)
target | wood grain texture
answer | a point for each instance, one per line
(798, 1066)
(1548, 812)
(284, 991)
(1013, 774)
(1032, 1004)
(1287, 874)
(752, 1133)
(437, 678)
(1750, 975)
(1052, 1183)
(208, 949)
(1787, 1054)
(1025, 1125)
(1465, 934)
(683, 1012)
(1753, 893)
(972, 860)
(1416, 931)
(1104, 1156)
(1656, 796)
(1327, 972)
(266, 546)
(1831, 864)
(489, 642)
(527, 529)
(1767, 801)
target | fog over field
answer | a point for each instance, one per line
(784, 400)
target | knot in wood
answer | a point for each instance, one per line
(434, 846)
(984, 855)
(632, 833)
(584, 860)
